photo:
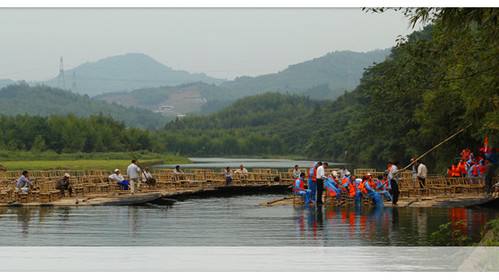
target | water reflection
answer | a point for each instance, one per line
(385, 224)
(235, 221)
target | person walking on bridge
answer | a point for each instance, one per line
(422, 173)
(133, 172)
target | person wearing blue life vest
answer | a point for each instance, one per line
(370, 186)
(299, 189)
(382, 186)
(332, 187)
(312, 181)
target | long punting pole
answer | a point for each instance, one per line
(434, 147)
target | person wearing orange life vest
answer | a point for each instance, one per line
(299, 189)
(312, 181)
(461, 166)
(454, 170)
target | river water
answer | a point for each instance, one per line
(231, 221)
(247, 162)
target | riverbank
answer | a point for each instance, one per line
(20, 160)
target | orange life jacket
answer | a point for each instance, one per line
(351, 189)
(462, 168)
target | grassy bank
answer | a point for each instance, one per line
(18, 160)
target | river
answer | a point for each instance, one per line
(232, 221)
(200, 162)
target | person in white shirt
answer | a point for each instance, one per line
(320, 176)
(422, 173)
(119, 179)
(133, 172)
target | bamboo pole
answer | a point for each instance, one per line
(434, 147)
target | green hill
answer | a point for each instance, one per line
(123, 73)
(171, 101)
(43, 101)
(330, 75)
(323, 78)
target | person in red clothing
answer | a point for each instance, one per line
(461, 166)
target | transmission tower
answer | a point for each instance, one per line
(62, 81)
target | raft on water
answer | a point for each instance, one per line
(436, 201)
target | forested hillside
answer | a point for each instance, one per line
(188, 98)
(333, 74)
(434, 82)
(43, 101)
(323, 78)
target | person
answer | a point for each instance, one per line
(119, 179)
(332, 187)
(489, 175)
(133, 172)
(228, 176)
(461, 167)
(241, 170)
(64, 185)
(369, 188)
(320, 176)
(392, 179)
(383, 188)
(296, 172)
(414, 170)
(24, 183)
(147, 177)
(299, 189)
(177, 170)
(312, 181)
(422, 173)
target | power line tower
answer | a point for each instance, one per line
(73, 82)
(62, 81)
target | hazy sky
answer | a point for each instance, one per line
(223, 43)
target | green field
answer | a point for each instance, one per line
(81, 161)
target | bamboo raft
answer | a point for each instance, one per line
(92, 187)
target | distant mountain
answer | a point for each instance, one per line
(325, 77)
(124, 73)
(43, 101)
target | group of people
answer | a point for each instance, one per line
(136, 176)
(24, 183)
(469, 165)
(482, 165)
(335, 184)
(229, 173)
